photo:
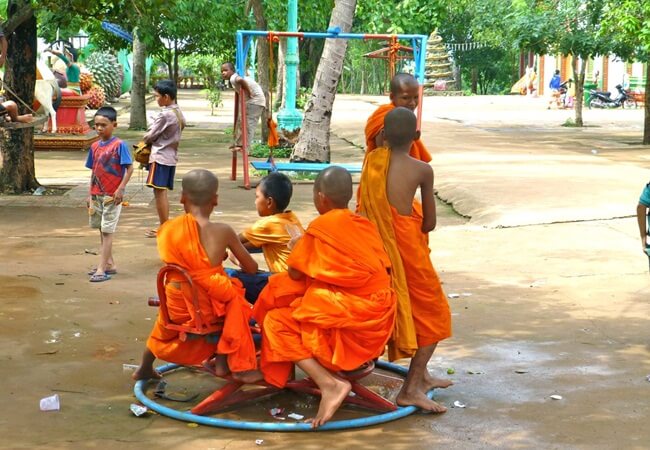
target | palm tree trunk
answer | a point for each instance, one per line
(281, 75)
(646, 121)
(262, 62)
(139, 87)
(314, 138)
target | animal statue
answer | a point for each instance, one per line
(45, 92)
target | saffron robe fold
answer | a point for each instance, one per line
(220, 298)
(423, 315)
(376, 123)
(342, 313)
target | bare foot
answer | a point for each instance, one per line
(248, 377)
(331, 398)
(143, 373)
(217, 366)
(419, 400)
(435, 383)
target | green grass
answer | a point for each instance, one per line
(262, 151)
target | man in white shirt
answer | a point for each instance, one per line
(255, 102)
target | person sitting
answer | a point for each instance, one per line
(277, 226)
(199, 246)
(334, 309)
(9, 111)
(389, 181)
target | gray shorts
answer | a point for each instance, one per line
(103, 213)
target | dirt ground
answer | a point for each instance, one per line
(549, 289)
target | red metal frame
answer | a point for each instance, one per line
(231, 393)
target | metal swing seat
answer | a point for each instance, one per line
(235, 393)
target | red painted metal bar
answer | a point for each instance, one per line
(420, 98)
(213, 400)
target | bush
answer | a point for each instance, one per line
(213, 95)
(262, 151)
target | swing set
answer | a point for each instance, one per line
(244, 38)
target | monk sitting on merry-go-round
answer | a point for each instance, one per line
(197, 246)
(333, 311)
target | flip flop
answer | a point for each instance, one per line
(99, 278)
(151, 233)
(107, 272)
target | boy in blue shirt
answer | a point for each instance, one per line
(643, 218)
(111, 165)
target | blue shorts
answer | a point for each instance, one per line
(253, 282)
(161, 176)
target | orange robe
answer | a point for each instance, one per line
(219, 297)
(342, 314)
(376, 123)
(423, 315)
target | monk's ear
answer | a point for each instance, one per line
(183, 198)
(216, 199)
(417, 135)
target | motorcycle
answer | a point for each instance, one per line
(601, 99)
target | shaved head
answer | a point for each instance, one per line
(200, 186)
(400, 81)
(400, 127)
(335, 183)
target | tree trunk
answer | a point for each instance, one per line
(175, 62)
(17, 173)
(139, 86)
(646, 121)
(314, 138)
(262, 62)
(579, 78)
(474, 84)
(281, 75)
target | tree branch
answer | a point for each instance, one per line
(17, 19)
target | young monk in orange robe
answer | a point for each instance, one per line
(389, 182)
(334, 309)
(197, 245)
(404, 92)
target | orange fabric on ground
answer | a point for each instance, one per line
(376, 123)
(219, 297)
(345, 312)
(423, 315)
(270, 233)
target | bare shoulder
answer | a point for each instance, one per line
(221, 229)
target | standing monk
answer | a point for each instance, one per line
(197, 245)
(404, 92)
(389, 181)
(334, 309)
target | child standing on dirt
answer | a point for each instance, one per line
(277, 226)
(643, 218)
(164, 137)
(111, 165)
(389, 181)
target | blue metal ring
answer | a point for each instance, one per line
(402, 411)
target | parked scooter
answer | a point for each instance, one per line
(600, 99)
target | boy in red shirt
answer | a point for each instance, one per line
(111, 165)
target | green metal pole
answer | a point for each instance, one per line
(289, 118)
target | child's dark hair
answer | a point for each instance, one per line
(277, 186)
(108, 112)
(166, 87)
(230, 65)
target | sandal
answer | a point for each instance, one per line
(99, 278)
(151, 233)
(107, 272)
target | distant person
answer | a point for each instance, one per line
(164, 135)
(111, 165)
(555, 84)
(389, 181)
(255, 104)
(277, 225)
(643, 218)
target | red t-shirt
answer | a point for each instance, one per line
(108, 161)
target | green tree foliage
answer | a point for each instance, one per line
(567, 27)
(627, 23)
